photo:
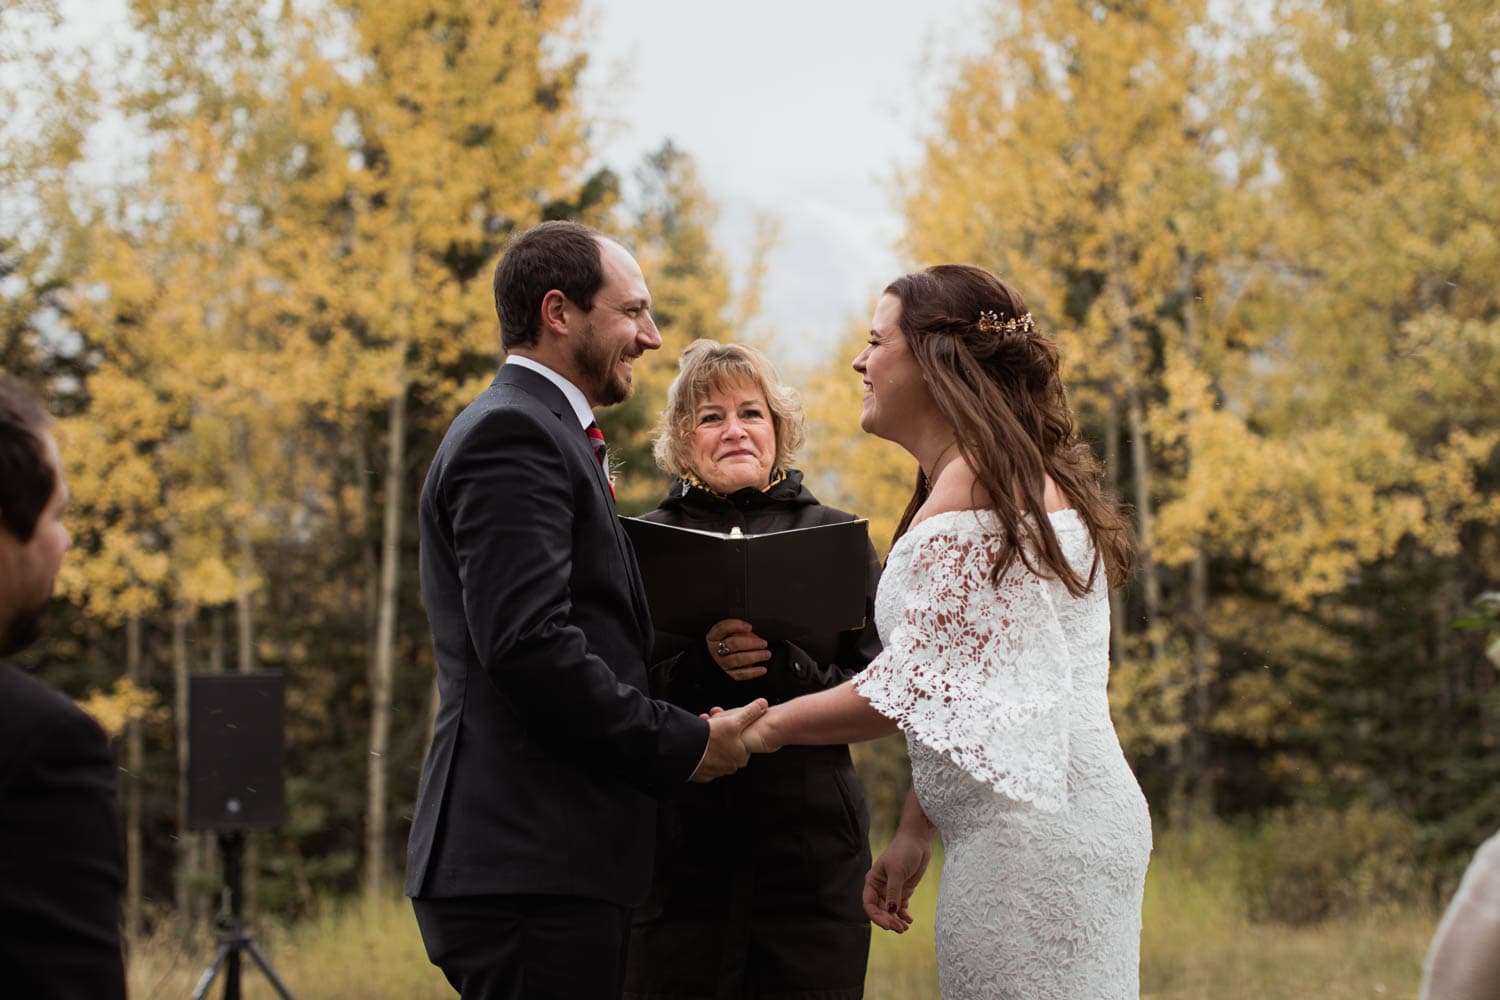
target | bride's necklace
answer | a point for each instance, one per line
(939, 466)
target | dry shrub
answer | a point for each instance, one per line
(1308, 864)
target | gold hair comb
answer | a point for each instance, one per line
(990, 322)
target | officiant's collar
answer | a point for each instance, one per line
(691, 480)
(571, 392)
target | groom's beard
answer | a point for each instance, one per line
(21, 631)
(604, 384)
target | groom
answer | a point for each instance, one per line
(534, 826)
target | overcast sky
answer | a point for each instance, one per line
(804, 110)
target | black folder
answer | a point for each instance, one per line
(803, 582)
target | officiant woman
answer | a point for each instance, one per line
(758, 875)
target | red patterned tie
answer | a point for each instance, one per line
(596, 438)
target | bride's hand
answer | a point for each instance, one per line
(892, 880)
(761, 735)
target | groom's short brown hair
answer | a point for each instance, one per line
(27, 478)
(561, 255)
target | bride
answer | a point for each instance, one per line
(994, 612)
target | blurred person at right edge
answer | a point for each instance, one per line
(1464, 960)
(758, 875)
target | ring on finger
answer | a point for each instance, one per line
(723, 648)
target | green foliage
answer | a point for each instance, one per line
(1483, 614)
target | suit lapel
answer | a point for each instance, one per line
(637, 587)
(550, 396)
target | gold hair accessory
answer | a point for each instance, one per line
(990, 322)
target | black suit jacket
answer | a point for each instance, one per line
(547, 749)
(61, 867)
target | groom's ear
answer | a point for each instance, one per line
(555, 313)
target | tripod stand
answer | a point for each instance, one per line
(233, 938)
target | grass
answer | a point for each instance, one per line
(1198, 942)
(1197, 945)
(363, 949)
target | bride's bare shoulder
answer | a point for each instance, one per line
(958, 489)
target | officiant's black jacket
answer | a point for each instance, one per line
(783, 844)
(547, 748)
(61, 864)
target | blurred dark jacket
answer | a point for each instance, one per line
(61, 861)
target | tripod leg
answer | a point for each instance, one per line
(207, 980)
(232, 978)
(265, 967)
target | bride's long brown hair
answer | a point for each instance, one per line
(995, 378)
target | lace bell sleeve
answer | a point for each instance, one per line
(978, 671)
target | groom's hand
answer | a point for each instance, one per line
(726, 741)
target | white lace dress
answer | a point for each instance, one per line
(1001, 694)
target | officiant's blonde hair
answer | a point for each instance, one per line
(708, 366)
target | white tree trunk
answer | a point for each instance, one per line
(382, 678)
(244, 605)
(1117, 631)
(1200, 779)
(135, 757)
(1203, 661)
(1149, 574)
(187, 843)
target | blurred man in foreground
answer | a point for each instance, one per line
(60, 859)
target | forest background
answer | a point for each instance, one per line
(1269, 248)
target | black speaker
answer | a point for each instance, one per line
(236, 752)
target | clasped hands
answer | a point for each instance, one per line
(733, 735)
